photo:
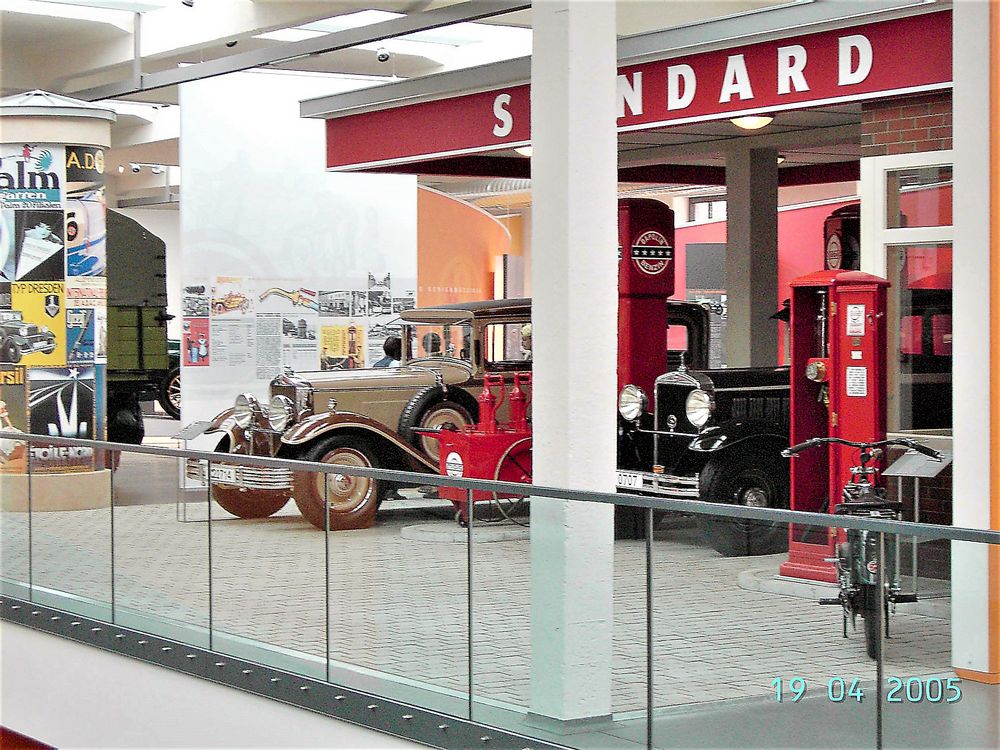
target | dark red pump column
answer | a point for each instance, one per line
(645, 281)
(838, 376)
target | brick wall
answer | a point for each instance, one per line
(906, 125)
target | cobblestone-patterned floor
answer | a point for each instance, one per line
(399, 606)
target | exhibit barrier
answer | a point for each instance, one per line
(423, 628)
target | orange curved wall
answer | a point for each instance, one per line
(456, 245)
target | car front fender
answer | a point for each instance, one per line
(318, 425)
(722, 437)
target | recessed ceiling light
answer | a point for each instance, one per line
(752, 122)
(524, 150)
(781, 158)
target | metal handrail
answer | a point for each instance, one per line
(696, 507)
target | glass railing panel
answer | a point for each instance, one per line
(743, 655)
(936, 668)
(398, 595)
(15, 549)
(160, 549)
(268, 565)
(71, 520)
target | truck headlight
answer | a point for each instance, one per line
(280, 413)
(631, 402)
(698, 407)
(244, 409)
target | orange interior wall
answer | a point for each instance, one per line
(456, 244)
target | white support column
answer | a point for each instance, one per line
(752, 257)
(574, 259)
(970, 576)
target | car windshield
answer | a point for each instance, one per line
(436, 340)
(10, 316)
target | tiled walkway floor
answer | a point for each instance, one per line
(398, 606)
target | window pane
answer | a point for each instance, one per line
(921, 309)
(919, 197)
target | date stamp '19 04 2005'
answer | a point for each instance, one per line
(899, 689)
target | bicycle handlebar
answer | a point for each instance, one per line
(813, 442)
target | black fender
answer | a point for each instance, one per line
(635, 447)
(425, 397)
(721, 438)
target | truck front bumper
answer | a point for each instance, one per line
(664, 485)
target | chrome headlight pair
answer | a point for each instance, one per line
(280, 412)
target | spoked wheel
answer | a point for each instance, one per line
(170, 393)
(351, 500)
(514, 466)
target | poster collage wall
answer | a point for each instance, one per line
(270, 324)
(53, 302)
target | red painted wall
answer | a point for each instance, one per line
(800, 250)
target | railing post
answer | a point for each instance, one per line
(31, 545)
(470, 522)
(112, 503)
(879, 621)
(326, 554)
(211, 602)
(649, 628)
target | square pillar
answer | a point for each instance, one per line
(752, 257)
(575, 308)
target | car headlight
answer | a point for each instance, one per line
(280, 413)
(698, 407)
(45, 329)
(244, 409)
(631, 402)
(22, 331)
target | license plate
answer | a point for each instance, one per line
(224, 474)
(629, 479)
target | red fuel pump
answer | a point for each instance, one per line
(645, 281)
(838, 371)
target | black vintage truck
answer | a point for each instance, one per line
(141, 366)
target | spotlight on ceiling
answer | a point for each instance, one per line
(752, 122)
(156, 169)
(781, 158)
(121, 168)
(135, 168)
(524, 150)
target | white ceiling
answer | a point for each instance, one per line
(94, 40)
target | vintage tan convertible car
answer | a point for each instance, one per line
(367, 418)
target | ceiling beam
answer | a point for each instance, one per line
(745, 28)
(471, 10)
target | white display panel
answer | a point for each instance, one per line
(260, 214)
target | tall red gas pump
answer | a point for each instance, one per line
(838, 376)
(645, 281)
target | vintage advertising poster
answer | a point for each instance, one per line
(298, 308)
(195, 301)
(230, 297)
(31, 245)
(61, 404)
(13, 418)
(35, 326)
(86, 210)
(342, 343)
(31, 176)
(196, 343)
(86, 292)
(80, 336)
